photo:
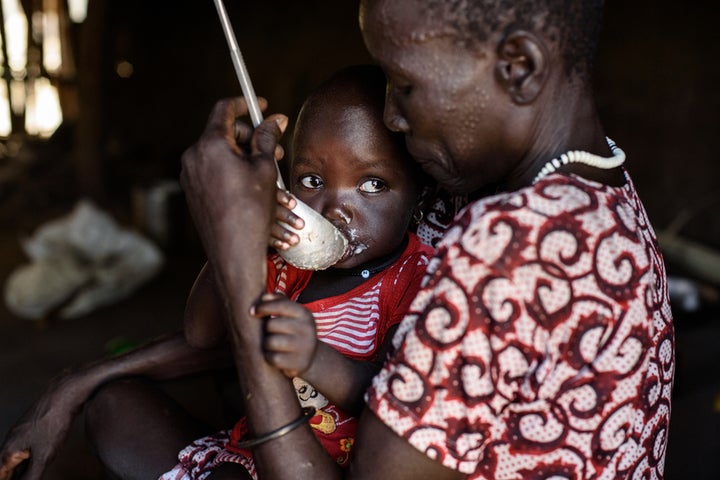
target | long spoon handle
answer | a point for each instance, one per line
(242, 74)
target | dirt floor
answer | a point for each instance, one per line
(32, 352)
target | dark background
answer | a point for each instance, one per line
(656, 86)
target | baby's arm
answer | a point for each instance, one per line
(291, 345)
(341, 379)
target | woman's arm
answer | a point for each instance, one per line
(229, 181)
(203, 319)
(380, 454)
(42, 429)
(204, 324)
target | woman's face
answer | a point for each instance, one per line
(443, 96)
(346, 167)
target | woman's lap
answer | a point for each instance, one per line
(137, 430)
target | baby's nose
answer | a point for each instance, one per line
(339, 212)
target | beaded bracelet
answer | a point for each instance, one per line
(307, 412)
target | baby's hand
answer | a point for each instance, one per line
(290, 340)
(280, 237)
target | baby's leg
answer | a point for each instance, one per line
(137, 430)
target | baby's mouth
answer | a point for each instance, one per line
(354, 246)
(358, 248)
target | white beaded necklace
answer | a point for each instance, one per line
(586, 158)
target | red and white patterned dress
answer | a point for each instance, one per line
(354, 323)
(541, 345)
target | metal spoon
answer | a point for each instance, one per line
(321, 243)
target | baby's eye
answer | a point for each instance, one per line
(312, 182)
(374, 185)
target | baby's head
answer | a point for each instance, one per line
(349, 167)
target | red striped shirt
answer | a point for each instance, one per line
(355, 322)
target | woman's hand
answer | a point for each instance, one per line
(290, 341)
(229, 177)
(39, 434)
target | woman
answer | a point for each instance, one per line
(542, 343)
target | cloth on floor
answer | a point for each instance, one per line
(79, 263)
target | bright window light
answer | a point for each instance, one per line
(43, 114)
(29, 94)
(16, 30)
(52, 50)
(2, 57)
(5, 120)
(17, 96)
(77, 10)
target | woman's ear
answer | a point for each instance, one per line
(522, 66)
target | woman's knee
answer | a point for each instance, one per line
(109, 401)
(136, 429)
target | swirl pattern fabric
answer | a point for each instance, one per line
(541, 345)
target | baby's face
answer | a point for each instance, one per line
(346, 167)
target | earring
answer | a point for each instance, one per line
(418, 216)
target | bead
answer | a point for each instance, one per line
(586, 158)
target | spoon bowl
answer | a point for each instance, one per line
(321, 243)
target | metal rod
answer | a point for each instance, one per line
(245, 84)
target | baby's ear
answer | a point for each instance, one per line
(426, 195)
(522, 66)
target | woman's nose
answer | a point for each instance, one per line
(392, 116)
